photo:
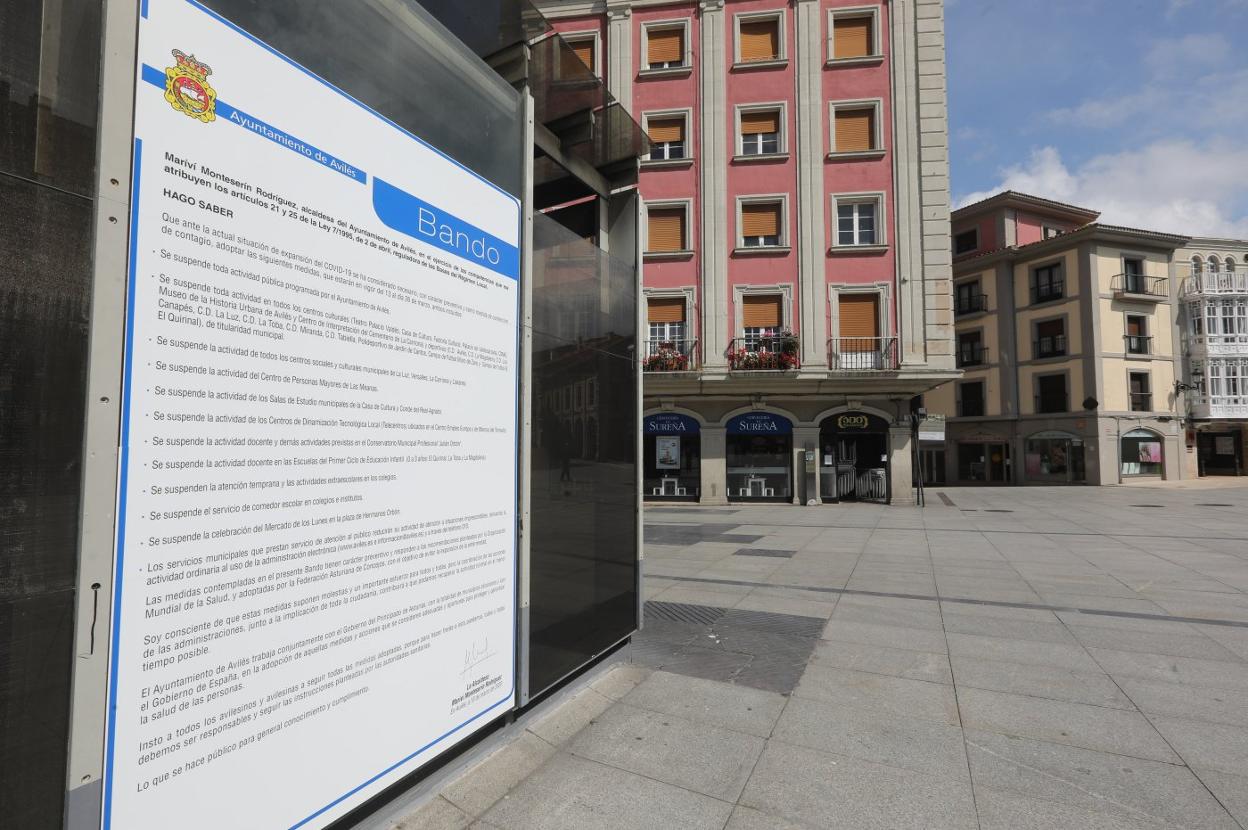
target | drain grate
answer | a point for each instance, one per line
(990, 510)
(684, 612)
(788, 624)
(1162, 506)
(1213, 504)
(782, 554)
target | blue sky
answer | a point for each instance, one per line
(1136, 108)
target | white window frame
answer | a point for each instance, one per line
(684, 252)
(764, 199)
(577, 36)
(881, 224)
(686, 295)
(739, 292)
(882, 289)
(660, 25)
(782, 140)
(687, 114)
(872, 12)
(876, 104)
(781, 18)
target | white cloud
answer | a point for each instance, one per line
(1176, 185)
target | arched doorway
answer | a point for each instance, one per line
(1054, 457)
(760, 457)
(672, 465)
(854, 458)
(1143, 453)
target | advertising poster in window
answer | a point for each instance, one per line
(1150, 452)
(320, 364)
(667, 452)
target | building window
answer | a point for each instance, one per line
(853, 36)
(1047, 284)
(760, 132)
(1050, 339)
(580, 56)
(762, 224)
(856, 222)
(1197, 266)
(665, 46)
(666, 229)
(966, 242)
(971, 350)
(969, 298)
(666, 317)
(855, 128)
(759, 38)
(971, 399)
(1141, 393)
(1051, 394)
(762, 319)
(1138, 341)
(1050, 232)
(1142, 452)
(667, 135)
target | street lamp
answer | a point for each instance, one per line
(1198, 380)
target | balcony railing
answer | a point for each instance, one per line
(1220, 283)
(1049, 346)
(1138, 285)
(1046, 404)
(857, 354)
(1045, 292)
(1141, 401)
(670, 356)
(1138, 344)
(778, 353)
(972, 354)
(970, 304)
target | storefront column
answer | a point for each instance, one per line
(901, 465)
(804, 489)
(714, 466)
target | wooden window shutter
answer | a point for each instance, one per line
(860, 318)
(666, 229)
(578, 52)
(665, 45)
(756, 123)
(851, 37)
(1135, 326)
(666, 310)
(666, 129)
(855, 130)
(761, 311)
(760, 40)
(760, 220)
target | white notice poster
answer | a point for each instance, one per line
(316, 534)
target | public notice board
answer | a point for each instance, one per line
(314, 586)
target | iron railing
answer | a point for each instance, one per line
(970, 304)
(1138, 285)
(1141, 401)
(1045, 291)
(862, 353)
(972, 354)
(1138, 344)
(767, 353)
(670, 356)
(1054, 346)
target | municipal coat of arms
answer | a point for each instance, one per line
(187, 89)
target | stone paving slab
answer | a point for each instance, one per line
(802, 693)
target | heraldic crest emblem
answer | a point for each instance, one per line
(187, 89)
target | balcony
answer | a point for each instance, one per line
(1140, 287)
(670, 356)
(1048, 292)
(1049, 347)
(1220, 283)
(1137, 344)
(970, 304)
(862, 354)
(972, 354)
(769, 353)
(1220, 406)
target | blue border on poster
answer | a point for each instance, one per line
(124, 461)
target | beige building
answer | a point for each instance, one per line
(1067, 334)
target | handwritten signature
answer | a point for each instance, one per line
(476, 654)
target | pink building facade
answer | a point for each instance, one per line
(795, 236)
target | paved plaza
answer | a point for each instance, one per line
(1017, 658)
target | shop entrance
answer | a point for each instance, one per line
(1143, 453)
(1054, 457)
(1220, 453)
(853, 464)
(672, 448)
(986, 463)
(760, 457)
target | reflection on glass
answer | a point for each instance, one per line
(760, 467)
(583, 593)
(671, 466)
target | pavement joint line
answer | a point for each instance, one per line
(1099, 612)
(925, 529)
